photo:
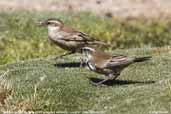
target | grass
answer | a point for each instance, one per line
(21, 38)
(42, 85)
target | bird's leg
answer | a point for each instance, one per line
(61, 56)
(113, 77)
(83, 62)
(101, 82)
(109, 77)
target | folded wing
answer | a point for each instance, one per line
(119, 61)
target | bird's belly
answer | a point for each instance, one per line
(98, 70)
(67, 45)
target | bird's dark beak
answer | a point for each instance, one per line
(41, 23)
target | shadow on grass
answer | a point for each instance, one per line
(69, 65)
(119, 82)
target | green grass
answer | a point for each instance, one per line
(21, 38)
(39, 85)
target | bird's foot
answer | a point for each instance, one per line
(58, 57)
(55, 58)
(82, 64)
(101, 83)
(62, 56)
(97, 83)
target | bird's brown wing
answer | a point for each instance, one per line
(78, 36)
(118, 61)
(83, 37)
(72, 34)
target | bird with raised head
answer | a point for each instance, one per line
(67, 37)
(108, 65)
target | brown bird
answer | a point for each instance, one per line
(68, 38)
(108, 65)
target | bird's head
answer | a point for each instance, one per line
(88, 52)
(95, 54)
(52, 23)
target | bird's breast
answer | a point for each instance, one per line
(94, 68)
(54, 35)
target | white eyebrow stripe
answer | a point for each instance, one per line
(89, 48)
(53, 21)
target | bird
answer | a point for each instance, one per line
(109, 65)
(68, 38)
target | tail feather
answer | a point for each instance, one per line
(141, 59)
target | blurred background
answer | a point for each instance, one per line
(122, 23)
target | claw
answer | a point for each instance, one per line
(95, 84)
(61, 56)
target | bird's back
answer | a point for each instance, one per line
(100, 58)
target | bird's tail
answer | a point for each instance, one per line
(141, 59)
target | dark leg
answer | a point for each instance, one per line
(101, 82)
(83, 62)
(109, 77)
(61, 56)
(115, 76)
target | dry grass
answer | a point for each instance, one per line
(5, 88)
(122, 8)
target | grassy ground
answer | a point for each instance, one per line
(46, 85)
(21, 38)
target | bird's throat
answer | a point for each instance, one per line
(53, 28)
(52, 31)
